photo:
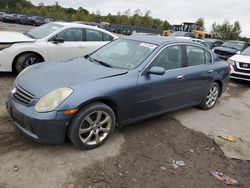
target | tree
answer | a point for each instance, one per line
(166, 25)
(201, 24)
(226, 30)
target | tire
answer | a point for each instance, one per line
(26, 60)
(210, 99)
(89, 130)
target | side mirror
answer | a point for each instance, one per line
(156, 70)
(58, 40)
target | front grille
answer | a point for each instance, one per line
(241, 70)
(22, 95)
(241, 76)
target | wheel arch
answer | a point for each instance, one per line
(109, 102)
(220, 84)
(18, 55)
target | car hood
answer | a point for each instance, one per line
(45, 77)
(241, 58)
(13, 37)
(221, 48)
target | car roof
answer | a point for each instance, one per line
(158, 40)
(73, 24)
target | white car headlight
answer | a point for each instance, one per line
(53, 99)
(231, 62)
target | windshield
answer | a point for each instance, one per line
(124, 54)
(234, 45)
(43, 31)
(246, 51)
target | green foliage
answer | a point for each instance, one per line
(137, 18)
(227, 30)
(201, 24)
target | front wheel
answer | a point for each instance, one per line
(211, 98)
(25, 60)
(92, 126)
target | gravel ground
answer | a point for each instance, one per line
(140, 155)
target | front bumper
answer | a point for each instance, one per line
(238, 74)
(6, 61)
(46, 128)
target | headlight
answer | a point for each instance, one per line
(231, 62)
(53, 99)
(3, 46)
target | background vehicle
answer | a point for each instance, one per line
(10, 18)
(212, 43)
(1, 15)
(51, 42)
(37, 20)
(182, 34)
(25, 20)
(230, 48)
(194, 28)
(241, 65)
(111, 88)
(190, 29)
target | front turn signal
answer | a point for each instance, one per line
(71, 111)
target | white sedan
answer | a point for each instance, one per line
(51, 42)
(240, 65)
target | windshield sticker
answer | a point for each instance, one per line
(147, 45)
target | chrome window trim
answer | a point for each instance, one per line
(176, 44)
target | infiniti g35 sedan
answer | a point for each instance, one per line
(51, 42)
(125, 81)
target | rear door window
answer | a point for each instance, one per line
(71, 35)
(197, 56)
(93, 35)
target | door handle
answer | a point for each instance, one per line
(180, 77)
(210, 71)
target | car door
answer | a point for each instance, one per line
(72, 46)
(95, 39)
(200, 73)
(160, 93)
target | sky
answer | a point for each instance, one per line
(174, 11)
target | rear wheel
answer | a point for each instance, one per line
(26, 60)
(92, 126)
(211, 97)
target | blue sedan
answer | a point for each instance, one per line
(127, 80)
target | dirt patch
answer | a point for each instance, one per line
(236, 89)
(148, 153)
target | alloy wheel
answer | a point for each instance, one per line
(30, 61)
(212, 96)
(95, 127)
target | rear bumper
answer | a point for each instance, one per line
(46, 128)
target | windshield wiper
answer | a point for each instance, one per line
(100, 62)
(29, 35)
